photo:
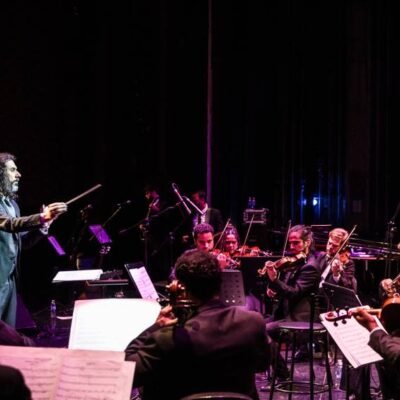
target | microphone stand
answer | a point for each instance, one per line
(197, 209)
(390, 232)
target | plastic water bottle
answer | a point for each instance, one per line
(249, 202)
(53, 317)
(253, 203)
(338, 372)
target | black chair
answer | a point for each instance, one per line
(290, 331)
(216, 396)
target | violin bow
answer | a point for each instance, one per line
(247, 234)
(287, 237)
(222, 233)
(343, 245)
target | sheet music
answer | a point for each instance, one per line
(352, 339)
(110, 324)
(78, 275)
(144, 283)
(62, 374)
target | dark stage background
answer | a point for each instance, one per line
(305, 105)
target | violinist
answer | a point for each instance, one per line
(230, 241)
(337, 267)
(173, 361)
(154, 231)
(387, 344)
(230, 245)
(203, 237)
(291, 287)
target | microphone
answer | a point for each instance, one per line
(124, 204)
(176, 190)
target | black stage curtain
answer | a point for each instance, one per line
(305, 97)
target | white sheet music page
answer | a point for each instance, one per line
(110, 324)
(79, 275)
(143, 283)
(61, 374)
(352, 339)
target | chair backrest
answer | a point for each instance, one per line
(216, 396)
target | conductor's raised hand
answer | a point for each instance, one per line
(52, 211)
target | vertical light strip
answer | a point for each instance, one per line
(209, 105)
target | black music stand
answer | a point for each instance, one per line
(232, 288)
(340, 297)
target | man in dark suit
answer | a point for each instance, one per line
(201, 213)
(388, 346)
(15, 232)
(291, 287)
(209, 214)
(214, 348)
(337, 267)
(12, 384)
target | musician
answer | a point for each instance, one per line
(217, 348)
(230, 241)
(155, 203)
(388, 346)
(209, 215)
(155, 234)
(9, 336)
(292, 288)
(203, 238)
(337, 267)
(230, 246)
(14, 233)
(12, 384)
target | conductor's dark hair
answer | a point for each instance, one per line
(5, 184)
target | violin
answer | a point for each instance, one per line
(388, 314)
(344, 256)
(250, 251)
(182, 305)
(226, 259)
(284, 263)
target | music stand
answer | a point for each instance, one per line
(141, 281)
(100, 234)
(341, 297)
(232, 288)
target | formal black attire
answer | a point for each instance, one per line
(218, 348)
(213, 217)
(293, 292)
(293, 289)
(347, 276)
(388, 346)
(11, 337)
(359, 378)
(15, 232)
(12, 384)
